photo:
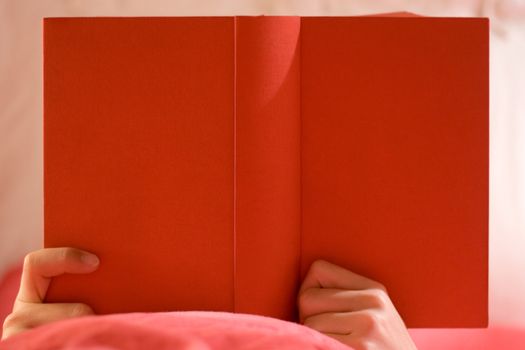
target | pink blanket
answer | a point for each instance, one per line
(195, 330)
(206, 330)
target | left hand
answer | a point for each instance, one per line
(29, 309)
(351, 308)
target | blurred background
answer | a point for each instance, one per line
(21, 163)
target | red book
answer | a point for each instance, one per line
(208, 161)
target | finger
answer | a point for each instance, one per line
(40, 266)
(34, 315)
(352, 341)
(9, 332)
(314, 301)
(323, 274)
(345, 323)
(39, 314)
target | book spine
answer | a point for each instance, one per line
(267, 165)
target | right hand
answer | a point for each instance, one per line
(29, 309)
(351, 308)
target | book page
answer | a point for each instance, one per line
(395, 159)
(138, 167)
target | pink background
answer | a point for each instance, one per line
(21, 115)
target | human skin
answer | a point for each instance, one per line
(29, 309)
(332, 300)
(351, 308)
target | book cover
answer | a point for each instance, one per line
(208, 161)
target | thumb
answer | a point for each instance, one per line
(41, 265)
(323, 274)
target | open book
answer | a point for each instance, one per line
(208, 161)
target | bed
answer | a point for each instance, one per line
(21, 169)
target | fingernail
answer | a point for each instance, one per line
(90, 259)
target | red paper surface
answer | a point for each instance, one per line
(209, 160)
(138, 159)
(267, 165)
(394, 119)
